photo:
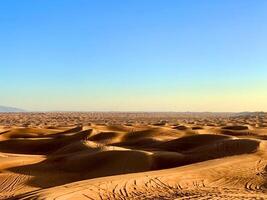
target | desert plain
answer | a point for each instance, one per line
(144, 156)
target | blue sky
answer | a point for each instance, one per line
(134, 55)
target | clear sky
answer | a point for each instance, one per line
(134, 55)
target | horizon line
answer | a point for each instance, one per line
(99, 111)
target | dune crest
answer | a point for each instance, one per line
(133, 157)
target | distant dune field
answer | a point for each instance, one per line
(142, 156)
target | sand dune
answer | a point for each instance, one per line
(200, 157)
(238, 177)
(40, 145)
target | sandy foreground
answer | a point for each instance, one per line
(133, 156)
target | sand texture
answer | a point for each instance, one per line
(144, 156)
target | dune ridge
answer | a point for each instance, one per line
(190, 157)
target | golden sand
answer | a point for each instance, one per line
(133, 156)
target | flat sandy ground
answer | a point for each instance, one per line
(133, 156)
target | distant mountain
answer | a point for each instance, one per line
(10, 109)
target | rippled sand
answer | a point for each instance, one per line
(133, 156)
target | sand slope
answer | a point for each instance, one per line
(183, 160)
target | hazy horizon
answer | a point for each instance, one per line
(197, 56)
(130, 111)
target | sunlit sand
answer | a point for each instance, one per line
(133, 156)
